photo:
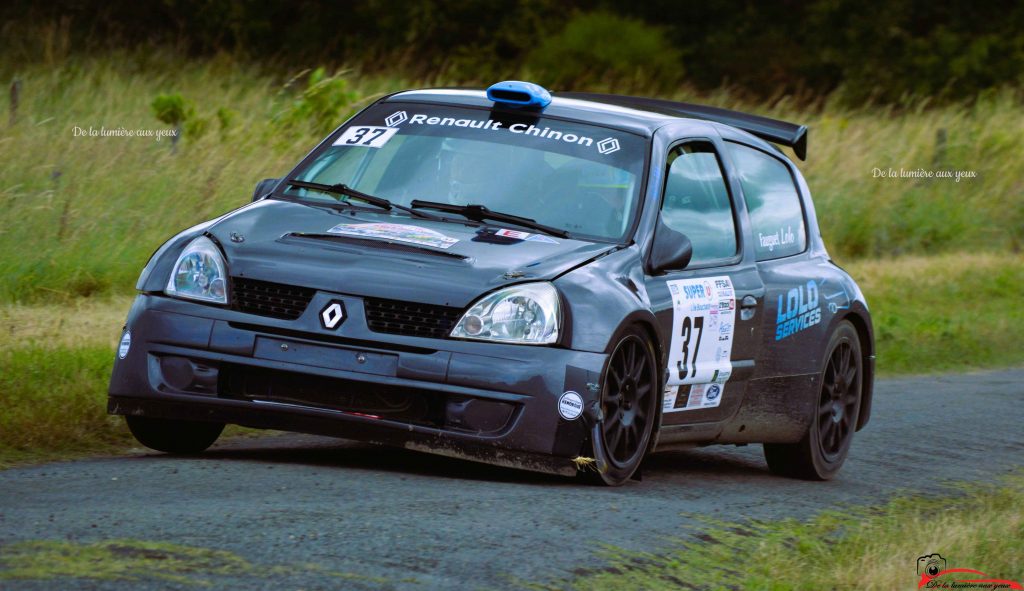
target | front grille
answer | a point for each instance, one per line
(275, 300)
(408, 318)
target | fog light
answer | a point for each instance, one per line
(126, 343)
(180, 373)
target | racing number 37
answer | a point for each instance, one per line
(703, 313)
(361, 134)
(366, 136)
(688, 363)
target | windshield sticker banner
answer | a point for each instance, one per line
(366, 136)
(606, 146)
(703, 321)
(397, 233)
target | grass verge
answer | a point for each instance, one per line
(138, 560)
(981, 528)
(953, 312)
(55, 364)
(54, 403)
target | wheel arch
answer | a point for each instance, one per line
(648, 325)
(867, 347)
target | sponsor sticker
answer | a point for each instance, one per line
(798, 309)
(692, 397)
(781, 237)
(125, 345)
(570, 405)
(604, 146)
(397, 233)
(512, 234)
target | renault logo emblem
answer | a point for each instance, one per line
(332, 315)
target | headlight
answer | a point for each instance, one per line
(200, 273)
(527, 314)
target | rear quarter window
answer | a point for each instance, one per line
(776, 214)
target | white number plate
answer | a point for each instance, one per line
(366, 136)
(703, 324)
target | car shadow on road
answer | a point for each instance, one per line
(715, 461)
(326, 452)
(342, 454)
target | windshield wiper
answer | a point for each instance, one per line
(480, 213)
(347, 191)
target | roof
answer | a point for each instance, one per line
(634, 114)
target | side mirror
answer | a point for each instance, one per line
(671, 250)
(263, 187)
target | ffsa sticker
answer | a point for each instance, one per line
(366, 136)
(692, 397)
(703, 325)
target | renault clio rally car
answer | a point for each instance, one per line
(556, 283)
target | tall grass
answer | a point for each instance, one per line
(80, 215)
(957, 311)
(981, 527)
(53, 403)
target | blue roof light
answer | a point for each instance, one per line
(515, 93)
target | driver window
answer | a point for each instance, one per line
(696, 202)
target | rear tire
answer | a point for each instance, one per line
(629, 405)
(174, 436)
(823, 449)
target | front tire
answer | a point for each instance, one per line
(174, 436)
(823, 449)
(629, 398)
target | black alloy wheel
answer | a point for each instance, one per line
(826, 444)
(629, 399)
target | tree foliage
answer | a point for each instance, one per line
(870, 51)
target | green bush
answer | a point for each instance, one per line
(172, 109)
(321, 106)
(180, 114)
(600, 49)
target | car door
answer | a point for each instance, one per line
(802, 293)
(711, 309)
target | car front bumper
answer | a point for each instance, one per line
(481, 401)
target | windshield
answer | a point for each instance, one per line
(584, 179)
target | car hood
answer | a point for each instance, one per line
(381, 255)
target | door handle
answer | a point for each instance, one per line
(748, 307)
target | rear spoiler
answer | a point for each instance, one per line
(772, 130)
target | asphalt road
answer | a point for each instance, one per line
(422, 522)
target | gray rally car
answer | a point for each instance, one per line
(558, 282)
